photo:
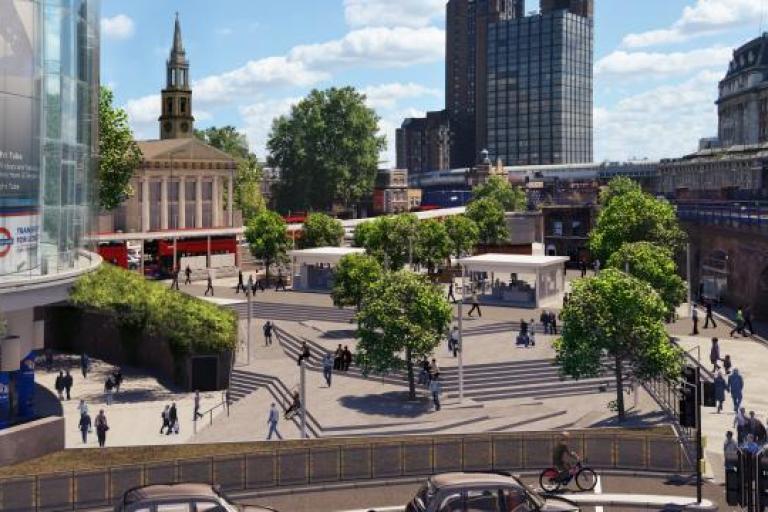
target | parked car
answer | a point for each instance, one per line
(186, 497)
(483, 492)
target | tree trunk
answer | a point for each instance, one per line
(411, 380)
(619, 389)
(266, 273)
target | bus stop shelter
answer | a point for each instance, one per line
(312, 269)
(515, 280)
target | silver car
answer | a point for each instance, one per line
(180, 498)
(483, 492)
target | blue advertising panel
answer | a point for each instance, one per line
(5, 398)
(25, 387)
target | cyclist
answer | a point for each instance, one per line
(563, 458)
(295, 406)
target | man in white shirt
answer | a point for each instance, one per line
(435, 388)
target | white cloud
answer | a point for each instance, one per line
(654, 65)
(387, 96)
(392, 13)
(258, 119)
(663, 122)
(703, 18)
(117, 27)
(376, 47)
(142, 116)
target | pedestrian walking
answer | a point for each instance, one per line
(165, 415)
(175, 279)
(720, 387)
(274, 417)
(453, 341)
(68, 381)
(451, 296)
(741, 422)
(117, 378)
(240, 283)
(268, 327)
(434, 369)
(757, 428)
(714, 354)
(210, 286)
(304, 354)
(82, 407)
(187, 276)
(709, 317)
(695, 320)
(727, 364)
(544, 319)
(736, 387)
(85, 426)
(197, 406)
(327, 368)
(101, 428)
(59, 385)
(109, 389)
(280, 282)
(424, 372)
(748, 322)
(337, 358)
(346, 358)
(435, 388)
(475, 305)
(85, 364)
(173, 419)
(583, 267)
(730, 450)
(739, 321)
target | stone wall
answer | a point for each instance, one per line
(31, 440)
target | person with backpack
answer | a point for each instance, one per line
(101, 428)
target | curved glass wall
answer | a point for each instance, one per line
(48, 133)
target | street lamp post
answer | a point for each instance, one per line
(303, 391)
(248, 333)
(688, 276)
(461, 339)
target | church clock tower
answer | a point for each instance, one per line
(176, 121)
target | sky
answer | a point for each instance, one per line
(657, 63)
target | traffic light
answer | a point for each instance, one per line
(688, 398)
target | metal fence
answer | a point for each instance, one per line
(344, 461)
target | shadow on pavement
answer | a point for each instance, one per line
(394, 404)
(46, 402)
(632, 419)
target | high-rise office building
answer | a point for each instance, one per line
(423, 143)
(519, 86)
(540, 86)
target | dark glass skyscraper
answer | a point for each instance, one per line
(540, 87)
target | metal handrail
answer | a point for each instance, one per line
(224, 403)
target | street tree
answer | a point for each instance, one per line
(321, 230)
(327, 149)
(403, 319)
(392, 239)
(119, 155)
(352, 277)
(267, 238)
(488, 214)
(247, 187)
(434, 245)
(364, 233)
(512, 199)
(616, 316)
(463, 232)
(654, 265)
(618, 186)
(635, 216)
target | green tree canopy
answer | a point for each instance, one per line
(403, 319)
(141, 306)
(393, 239)
(620, 316)
(655, 266)
(618, 186)
(364, 232)
(247, 189)
(488, 215)
(267, 238)
(512, 199)
(463, 232)
(119, 155)
(635, 216)
(434, 244)
(327, 149)
(321, 230)
(352, 277)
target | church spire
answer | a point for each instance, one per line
(178, 46)
(176, 120)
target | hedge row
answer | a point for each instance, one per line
(189, 324)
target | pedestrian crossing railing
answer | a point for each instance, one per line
(310, 462)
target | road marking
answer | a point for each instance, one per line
(598, 490)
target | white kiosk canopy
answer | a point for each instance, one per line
(322, 255)
(511, 262)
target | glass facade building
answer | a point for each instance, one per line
(49, 61)
(540, 89)
(49, 58)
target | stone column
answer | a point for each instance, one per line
(230, 201)
(182, 203)
(164, 203)
(216, 203)
(145, 204)
(199, 202)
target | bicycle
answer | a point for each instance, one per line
(552, 480)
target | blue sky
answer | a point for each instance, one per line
(657, 62)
